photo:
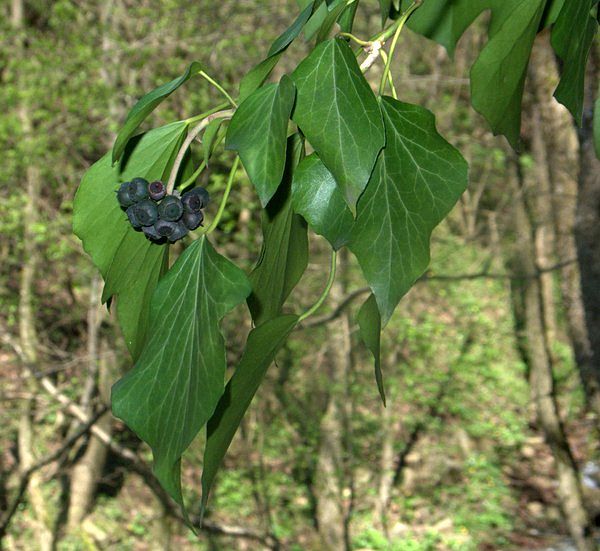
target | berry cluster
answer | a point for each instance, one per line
(160, 216)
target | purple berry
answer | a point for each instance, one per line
(170, 209)
(192, 219)
(157, 190)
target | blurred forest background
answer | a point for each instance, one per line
(490, 437)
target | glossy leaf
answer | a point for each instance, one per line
(284, 254)
(572, 37)
(290, 34)
(261, 347)
(339, 115)
(178, 380)
(258, 132)
(145, 105)
(335, 11)
(317, 198)
(369, 324)
(498, 74)
(256, 76)
(417, 180)
(129, 263)
(385, 7)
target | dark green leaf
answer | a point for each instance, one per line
(346, 20)
(572, 37)
(146, 105)
(369, 323)
(290, 34)
(417, 180)
(316, 197)
(335, 10)
(319, 15)
(179, 378)
(339, 115)
(209, 138)
(385, 6)
(498, 75)
(258, 132)
(128, 262)
(284, 253)
(256, 76)
(261, 347)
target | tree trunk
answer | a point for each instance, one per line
(539, 360)
(27, 331)
(559, 155)
(587, 229)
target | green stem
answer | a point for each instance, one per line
(218, 87)
(355, 39)
(201, 116)
(228, 187)
(200, 168)
(399, 26)
(384, 56)
(325, 292)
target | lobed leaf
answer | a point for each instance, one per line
(263, 343)
(290, 34)
(258, 132)
(175, 385)
(417, 180)
(284, 254)
(129, 263)
(339, 115)
(572, 37)
(317, 198)
(145, 105)
(369, 324)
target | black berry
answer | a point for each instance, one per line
(170, 209)
(192, 219)
(138, 189)
(157, 190)
(195, 199)
(151, 233)
(133, 219)
(124, 196)
(164, 228)
(179, 232)
(146, 212)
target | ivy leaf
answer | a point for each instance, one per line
(572, 37)
(284, 254)
(178, 380)
(145, 105)
(385, 7)
(369, 324)
(498, 74)
(317, 198)
(417, 180)
(335, 10)
(256, 76)
(258, 132)
(129, 263)
(262, 345)
(290, 34)
(339, 115)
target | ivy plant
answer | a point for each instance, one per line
(378, 179)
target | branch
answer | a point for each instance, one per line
(26, 475)
(339, 309)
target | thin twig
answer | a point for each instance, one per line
(225, 114)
